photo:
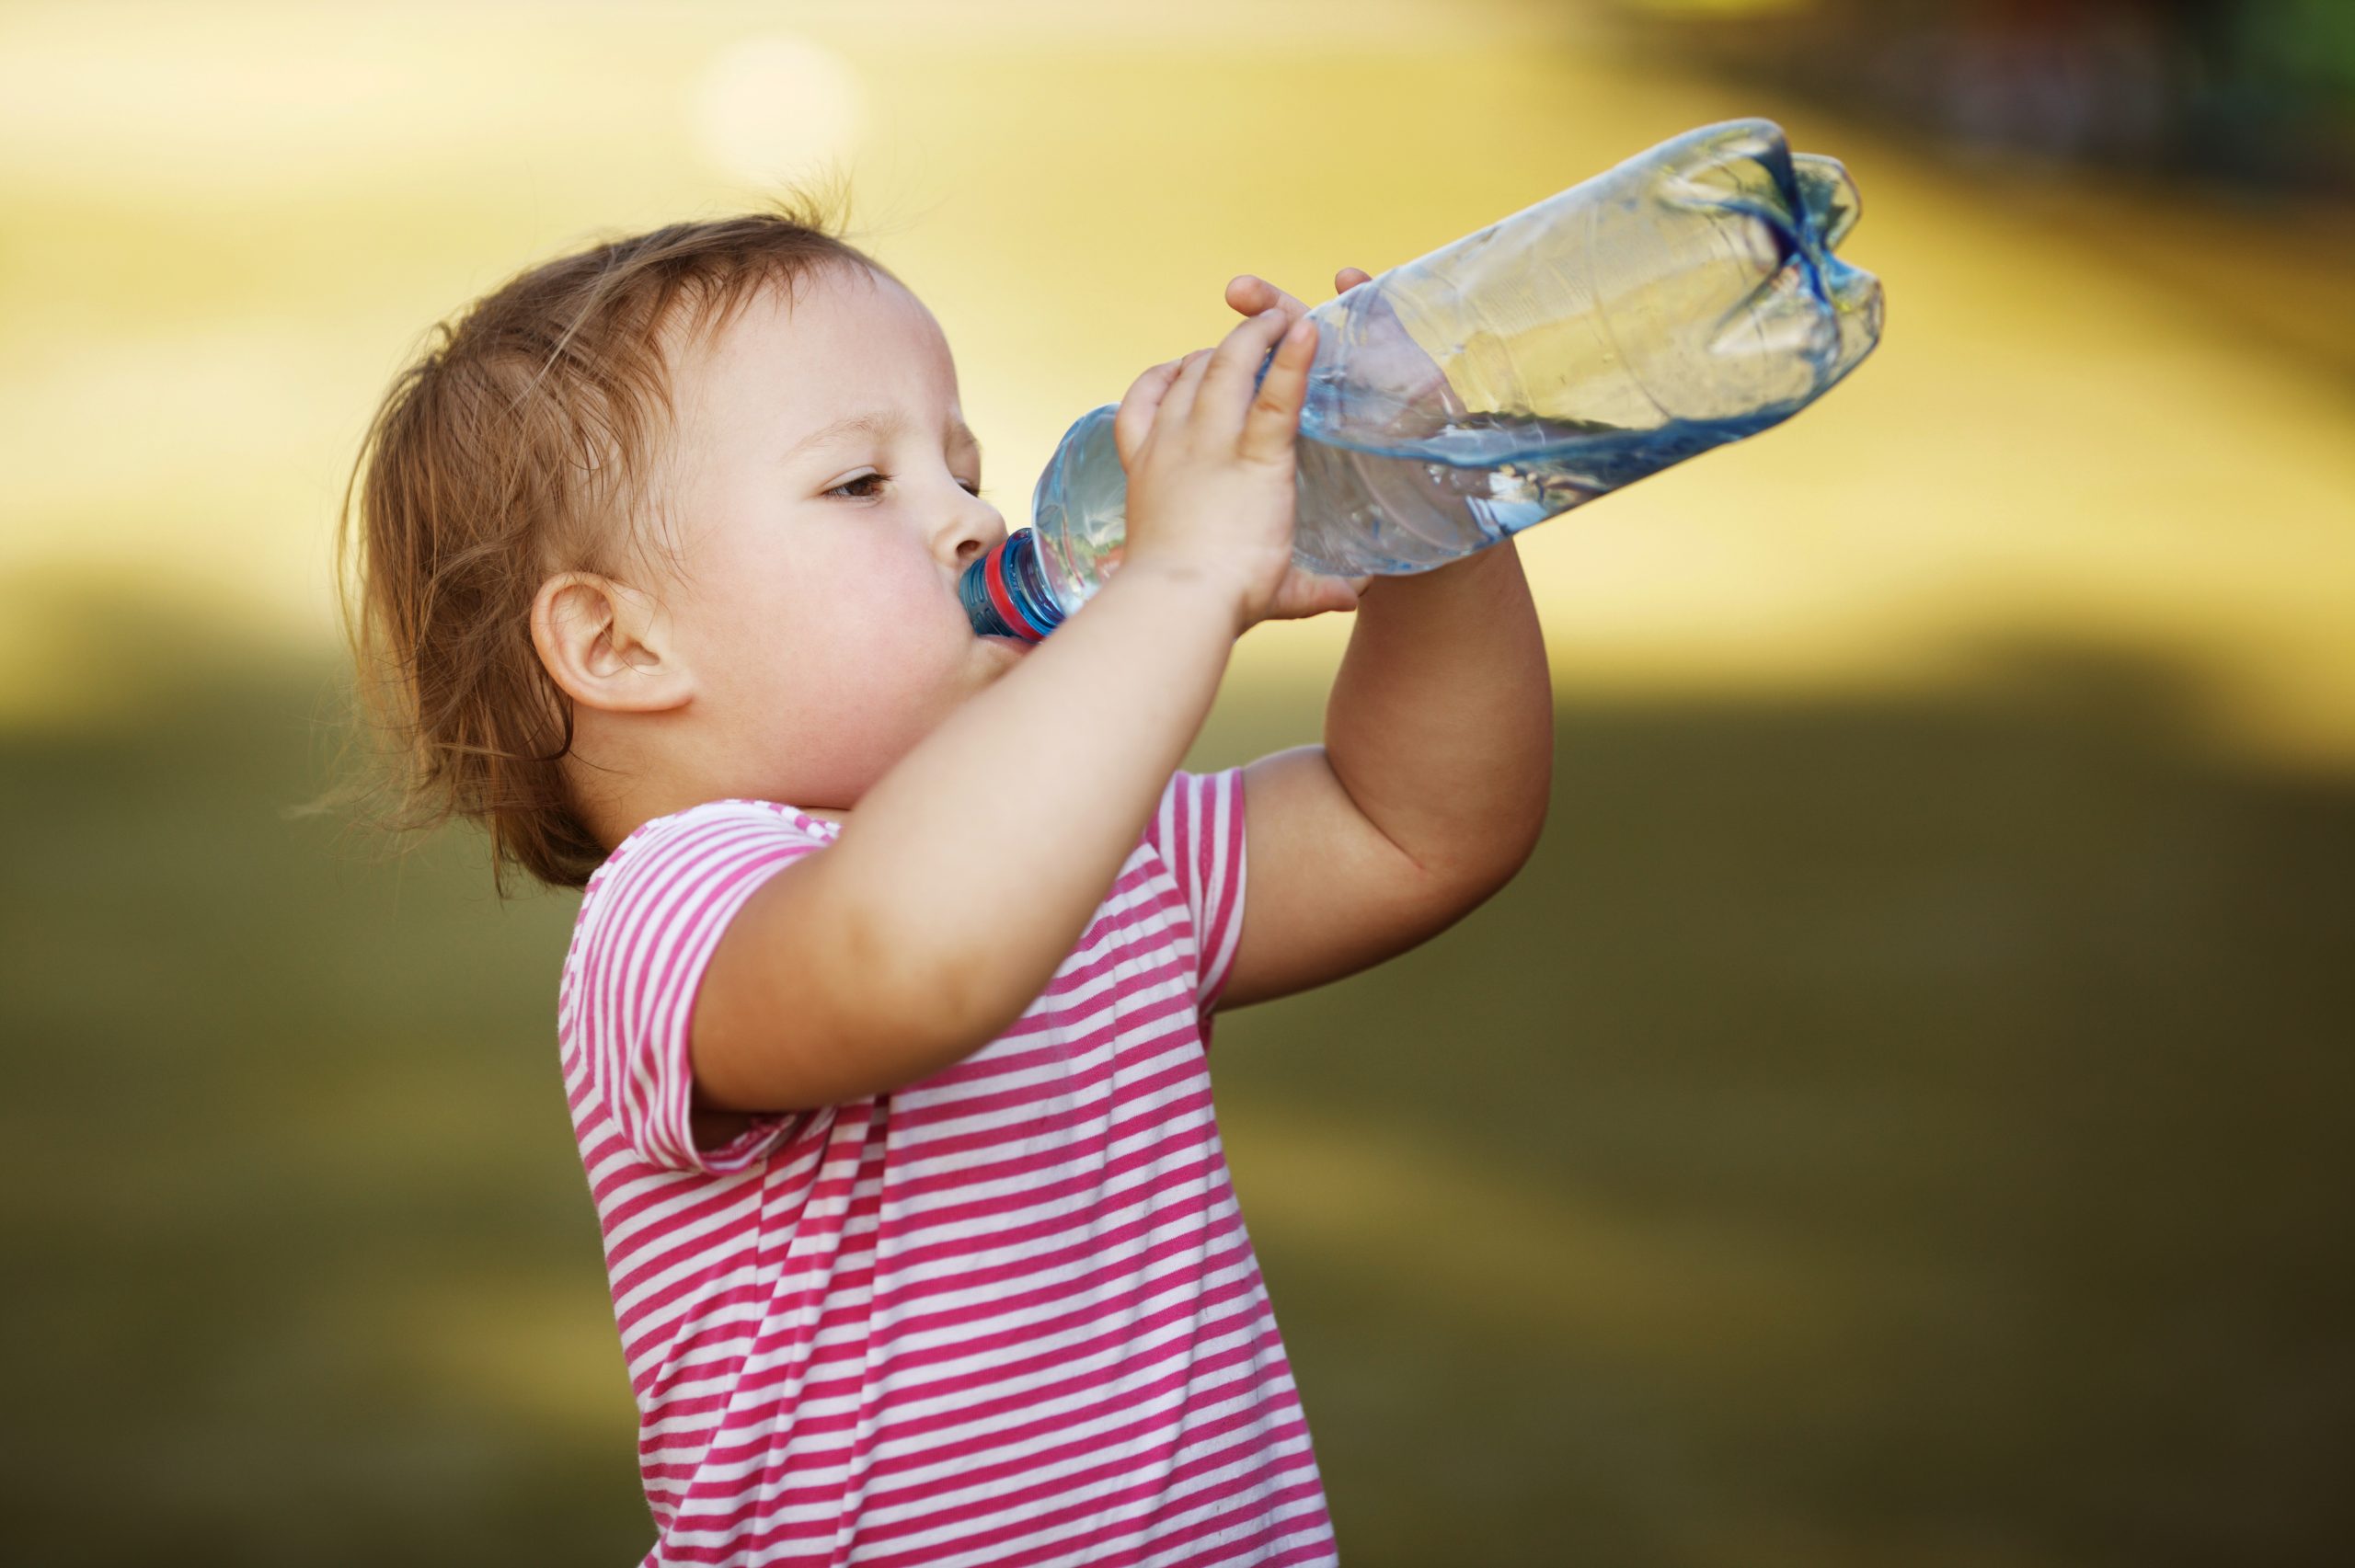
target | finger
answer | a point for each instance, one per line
(1274, 418)
(1252, 295)
(1179, 406)
(1134, 420)
(1226, 384)
(1303, 594)
(1349, 278)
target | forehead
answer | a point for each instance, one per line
(847, 337)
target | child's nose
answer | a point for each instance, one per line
(979, 530)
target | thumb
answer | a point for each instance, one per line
(1303, 594)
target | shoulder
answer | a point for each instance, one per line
(1198, 812)
(713, 830)
(650, 918)
(670, 864)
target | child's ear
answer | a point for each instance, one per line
(607, 644)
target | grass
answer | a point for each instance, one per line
(1895, 1130)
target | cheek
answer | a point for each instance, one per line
(876, 631)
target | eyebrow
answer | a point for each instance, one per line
(878, 423)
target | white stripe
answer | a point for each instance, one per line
(980, 1258)
(1213, 904)
(1233, 1388)
(1140, 1511)
(1241, 1386)
(1170, 1041)
(1102, 1304)
(685, 859)
(1077, 1141)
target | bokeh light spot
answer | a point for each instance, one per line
(767, 109)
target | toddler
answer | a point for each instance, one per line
(885, 1017)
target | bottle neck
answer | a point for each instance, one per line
(1006, 594)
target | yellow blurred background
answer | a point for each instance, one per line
(1898, 1117)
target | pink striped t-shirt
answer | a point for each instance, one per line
(1008, 1314)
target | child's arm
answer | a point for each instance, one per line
(968, 872)
(1427, 794)
(1431, 786)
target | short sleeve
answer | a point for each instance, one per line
(649, 922)
(1199, 833)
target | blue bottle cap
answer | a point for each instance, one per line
(1003, 592)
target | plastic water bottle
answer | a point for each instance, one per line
(1683, 300)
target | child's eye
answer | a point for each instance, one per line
(867, 488)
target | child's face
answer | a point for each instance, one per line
(820, 613)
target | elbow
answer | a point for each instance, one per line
(1458, 879)
(1490, 853)
(1486, 878)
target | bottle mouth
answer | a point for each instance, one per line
(1003, 592)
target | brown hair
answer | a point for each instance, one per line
(520, 444)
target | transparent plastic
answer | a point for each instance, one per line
(1686, 299)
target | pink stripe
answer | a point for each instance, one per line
(1044, 1271)
(629, 932)
(1057, 1549)
(1244, 1549)
(1254, 1548)
(995, 1422)
(632, 929)
(1067, 1094)
(1141, 1393)
(1047, 1283)
(966, 1220)
(1096, 1487)
(961, 1476)
(698, 935)
(853, 1371)
(920, 1182)
(686, 879)
(1072, 1031)
(1229, 1250)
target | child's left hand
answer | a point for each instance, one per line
(1250, 295)
(1384, 359)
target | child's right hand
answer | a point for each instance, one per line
(1211, 467)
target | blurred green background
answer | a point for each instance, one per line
(1901, 1114)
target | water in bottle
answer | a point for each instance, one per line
(1686, 299)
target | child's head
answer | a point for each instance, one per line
(674, 519)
